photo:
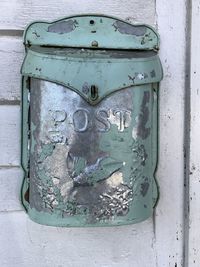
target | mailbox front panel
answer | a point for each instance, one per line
(90, 164)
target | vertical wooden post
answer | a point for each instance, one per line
(193, 245)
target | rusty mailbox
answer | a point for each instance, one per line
(89, 117)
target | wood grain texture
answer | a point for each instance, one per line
(170, 174)
(11, 56)
(31, 244)
(17, 13)
(9, 135)
(10, 183)
(194, 150)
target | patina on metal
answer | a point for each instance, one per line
(89, 117)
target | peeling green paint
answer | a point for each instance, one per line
(46, 151)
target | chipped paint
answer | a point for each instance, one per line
(141, 153)
(153, 74)
(144, 187)
(62, 27)
(143, 117)
(141, 76)
(115, 179)
(125, 28)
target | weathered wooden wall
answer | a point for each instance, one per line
(157, 242)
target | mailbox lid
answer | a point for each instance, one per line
(79, 69)
(92, 31)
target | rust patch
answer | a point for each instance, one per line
(125, 28)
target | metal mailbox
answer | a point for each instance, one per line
(89, 121)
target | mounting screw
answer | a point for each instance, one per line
(95, 44)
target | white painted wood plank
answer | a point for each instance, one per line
(26, 243)
(9, 135)
(194, 164)
(170, 174)
(10, 185)
(16, 14)
(11, 56)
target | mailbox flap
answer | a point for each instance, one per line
(84, 69)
